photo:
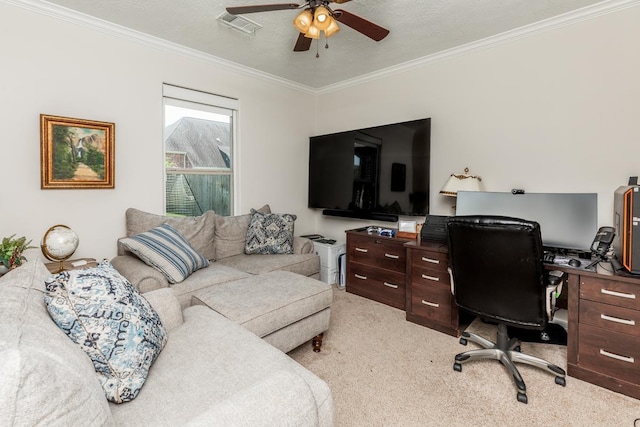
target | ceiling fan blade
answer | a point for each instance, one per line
(302, 44)
(361, 25)
(239, 10)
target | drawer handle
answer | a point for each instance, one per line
(618, 320)
(617, 356)
(432, 261)
(617, 294)
(435, 279)
(362, 250)
(392, 256)
(430, 304)
(390, 285)
(360, 277)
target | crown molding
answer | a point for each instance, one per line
(74, 17)
(583, 14)
(68, 15)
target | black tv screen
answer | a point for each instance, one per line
(379, 173)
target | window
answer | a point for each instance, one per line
(198, 152)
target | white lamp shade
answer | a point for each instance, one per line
(462, 182)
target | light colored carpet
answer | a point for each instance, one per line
(385, 371)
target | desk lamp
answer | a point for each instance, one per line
(461, 182)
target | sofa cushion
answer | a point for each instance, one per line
(270, 233)
(165, 249)
(231, 233)
(104, 314)
(269, 302)
(45, 378)
(199, 230)
(214, 274)
(305, 264)
(280, 398)
(235, 360)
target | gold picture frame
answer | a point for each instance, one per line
(76, 153)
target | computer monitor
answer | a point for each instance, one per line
(568, 221)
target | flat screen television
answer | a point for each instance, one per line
(568, 221)
(377, 173)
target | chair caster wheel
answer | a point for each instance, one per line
(463, 341)
(457, 367)
(561, 381)
(522, 398)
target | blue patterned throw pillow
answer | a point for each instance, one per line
(108, 318)
(270, 233)
(165, 249)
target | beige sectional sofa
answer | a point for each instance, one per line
(228, 327)
(221, 240)
(210, 372)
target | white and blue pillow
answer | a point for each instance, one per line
(165, 249)
(112, 322)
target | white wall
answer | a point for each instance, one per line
(553, 112)
(53, 66)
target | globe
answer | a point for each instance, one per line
(59, 243)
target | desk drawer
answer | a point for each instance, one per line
(429, 260)
(377, 251)
(609, 353)
(609, 291)
(384, 286)
(432, 302)
(426, 277)
(610, 317)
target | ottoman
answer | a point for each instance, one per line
(283, 308)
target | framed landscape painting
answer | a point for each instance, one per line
(76, 153)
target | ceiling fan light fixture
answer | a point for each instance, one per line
(331, 29)
(312, 32)
(303, 21)
(322, 19)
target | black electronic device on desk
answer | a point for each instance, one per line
(434, 228)
(601, 244)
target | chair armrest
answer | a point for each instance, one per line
(555, 281)
(142, 276)
(165, 303)
(453, 292)
(302, 245)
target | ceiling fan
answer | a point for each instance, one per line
(316, 17)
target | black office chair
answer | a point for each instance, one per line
(497, 273)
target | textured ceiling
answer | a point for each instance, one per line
(417, 29)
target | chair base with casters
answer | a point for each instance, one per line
(507, 351)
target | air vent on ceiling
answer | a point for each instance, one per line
(239, 23)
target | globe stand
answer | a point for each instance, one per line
(61, 261)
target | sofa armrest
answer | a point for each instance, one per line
(165, 303)
(142, 276)
(283, 398)
(302, 245)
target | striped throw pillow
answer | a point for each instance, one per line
(165, 249)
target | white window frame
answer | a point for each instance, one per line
(180, 96)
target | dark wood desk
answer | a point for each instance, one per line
(603, 337)
(429, 301)
(603, 340)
